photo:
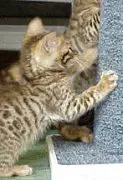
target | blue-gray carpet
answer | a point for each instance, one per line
(109, 116)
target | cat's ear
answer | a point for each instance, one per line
(35, 27)
(50, 42)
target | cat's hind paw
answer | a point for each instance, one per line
(23, 170)
(16, 170)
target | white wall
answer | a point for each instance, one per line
(11, 35)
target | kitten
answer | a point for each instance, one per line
(83, 33)
(48, 96)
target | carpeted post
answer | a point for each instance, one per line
(109, 115)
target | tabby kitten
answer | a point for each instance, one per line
(83, 33)
(47, 97)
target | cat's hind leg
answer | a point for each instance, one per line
(75, 133)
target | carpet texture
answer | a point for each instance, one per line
(109, 116)
(107, 146)
(76, 153)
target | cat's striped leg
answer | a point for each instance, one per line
(75, 106)
(7, 159)
(10, 148)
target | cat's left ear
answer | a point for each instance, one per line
(50, 42)
(35, 27)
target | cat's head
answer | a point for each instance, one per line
(44, 50)
(41, 49)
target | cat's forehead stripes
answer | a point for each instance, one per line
(31, 40)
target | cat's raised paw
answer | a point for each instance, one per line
(109, 80)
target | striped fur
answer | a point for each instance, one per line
(83, 29)
(48, 97)
(83, 33)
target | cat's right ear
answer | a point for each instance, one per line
(35, 27)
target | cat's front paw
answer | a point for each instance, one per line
(108, 81)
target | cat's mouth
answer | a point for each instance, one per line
(69, 55)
